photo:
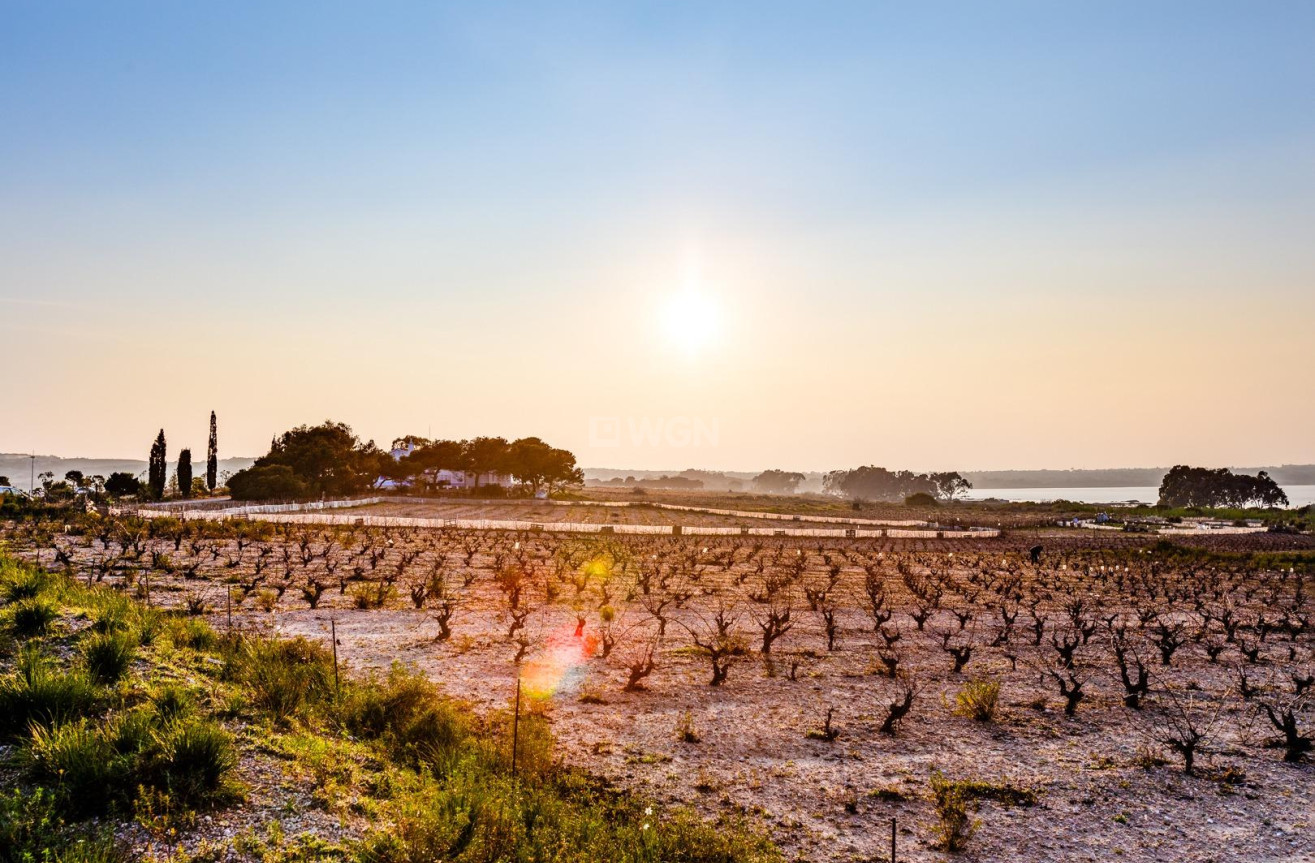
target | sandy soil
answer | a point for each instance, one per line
(822, 801)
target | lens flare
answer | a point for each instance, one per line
(560, 666)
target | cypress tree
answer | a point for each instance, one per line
(156, 466)
(212, 456)
(185, 473)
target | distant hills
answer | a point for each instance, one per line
(1289, 474)
(18, 467)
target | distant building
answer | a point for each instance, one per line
(12, 489)
(444, 478)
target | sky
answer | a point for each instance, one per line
(667, 235)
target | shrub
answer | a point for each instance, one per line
(407, 712)
(79, 759)
(38, 694)
(196, 759)
(284, 678)
(954, 823)
(31, 829)
(686, 731)
(21, 582)
(920, 499)
(108, 655)
(173, 702)
(367, 597)
(192, 633)
(978, 699)
(32, 616)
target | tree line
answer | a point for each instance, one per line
(878, 483)
(1185, 486)
(330, 460)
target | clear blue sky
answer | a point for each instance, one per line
(466, 217)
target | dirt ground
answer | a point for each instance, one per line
(1101, 791)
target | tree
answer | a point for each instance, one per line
(156, 469)
(1185, 486)
(536, 464)
(185, 473)
(436, 455)
(487, 455)
(122, 484)
(75, 478)
(777, 481)
(877, 483)
(950, 484)
(327, 459)
(212, 455)
(266, 482)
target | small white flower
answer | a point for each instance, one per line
(645, 827)
(648, 810)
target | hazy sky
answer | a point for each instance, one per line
(805, 235)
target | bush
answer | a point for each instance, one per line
(978, 699)
(31, 829)
(196, 758)
(284, 678)
(38, 694)
(920, 499)
(192, 633)
(21, 582)
(480, 817)
(173, 702)
(29, 617)
(954, 823)
(108, 655)
(273, 482)
(79, 759)
(407, 712)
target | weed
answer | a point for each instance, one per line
(978, 699)
(108, 655)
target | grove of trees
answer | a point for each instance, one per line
(1185, 486)
(878, 483)
(328, 459)
(777, 481)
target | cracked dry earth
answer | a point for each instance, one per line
(832, 801)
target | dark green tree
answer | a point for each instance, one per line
(487, 455)
(185, 473)
(272, 482)
(212, 455)
(327, 459)
(1185, 486)
(777, 481)
(950, 485)
(156, 467)
(122, 484)
(537, 464)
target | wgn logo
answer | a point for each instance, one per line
(615, 432)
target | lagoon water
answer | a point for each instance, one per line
(1298, 495)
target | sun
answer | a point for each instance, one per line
(691, 321)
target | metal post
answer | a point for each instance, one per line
(333, 630)
(892, 840)
(228, 601)
(516, 726)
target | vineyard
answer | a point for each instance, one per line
(1147, 701)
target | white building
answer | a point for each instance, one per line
(445, 478)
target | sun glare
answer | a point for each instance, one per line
(691, 321)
